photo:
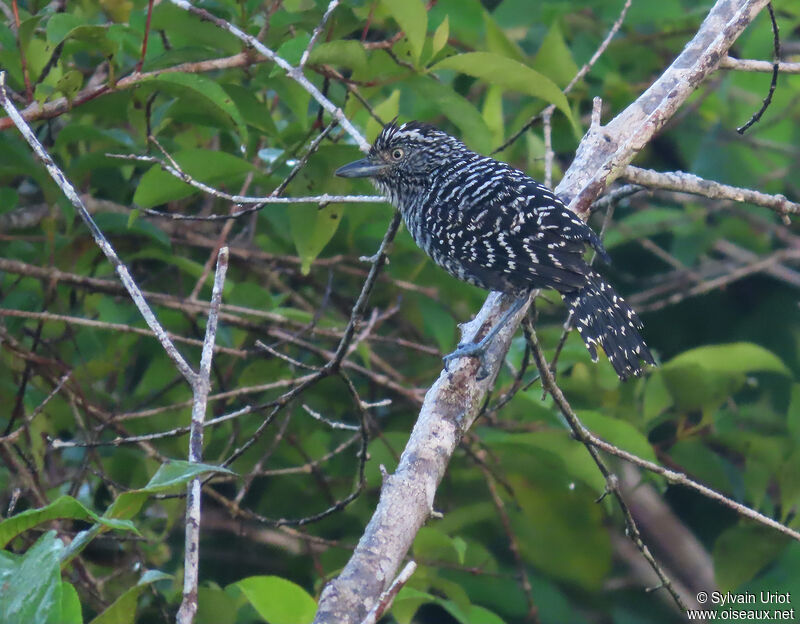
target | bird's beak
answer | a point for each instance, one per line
(364, 168)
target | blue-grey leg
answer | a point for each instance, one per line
(478, 349)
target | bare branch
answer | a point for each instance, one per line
(603, 154)
(315, 35)
(689, 183)
(239, 199)
(201, 389)
(730, 62)
(681, 479)
(295, 73)
(102, 242)
(53, 108)
(115, 327)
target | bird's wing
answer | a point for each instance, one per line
(525, 237)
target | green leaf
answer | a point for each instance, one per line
(70, 605)
(32, 583)
(479, 615)
(457, 109)
(26, 29)
(493, 113)
(215, 606)
(95, 38)
(345, 53)
(408, 602)
(432, 545)
(694, 458)
(187, 30)
(656, 396)
(735, 564)
(736, 357)
(172, 474)
(312, 228)
(509, 74)
(278, 600)
(118, 10)
(254, 112)
(793, 416)
(8, 199)
(122, 225)
(554, 58)
(441, 36)
(291, 51)
(209, 166)
(550, 519)
(59, 26)
(62, 507)
(412, 18)
(702, 378)
(206, 89)
(177, 472)
(123, 609)
(499, 43)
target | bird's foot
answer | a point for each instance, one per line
(470, 349)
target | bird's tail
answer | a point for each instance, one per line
(602, 317)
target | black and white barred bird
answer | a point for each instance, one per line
(491, 225)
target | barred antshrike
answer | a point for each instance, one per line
(491, 225)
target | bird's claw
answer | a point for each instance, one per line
(469, 349)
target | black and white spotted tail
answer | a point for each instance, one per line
(603, 318)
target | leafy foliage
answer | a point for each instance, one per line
(724, 407)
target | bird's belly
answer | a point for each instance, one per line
(443, 251)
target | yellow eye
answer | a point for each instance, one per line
(397, 153)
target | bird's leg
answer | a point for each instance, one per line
(478, 349)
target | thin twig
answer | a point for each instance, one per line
(575, 79)
(331, 423)
(12, 437)
(315, 35)
(146, 36)
(386, 598)
(582, 434)
(115, 327)
(751, 65)
(681, 479)
(776, 42)
(295, 73)
(688, 183)
(201, 389)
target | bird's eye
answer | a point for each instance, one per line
(397, 153)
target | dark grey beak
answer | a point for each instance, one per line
(364, 168)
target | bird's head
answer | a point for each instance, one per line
(405, 155)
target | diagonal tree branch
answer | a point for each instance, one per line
(102, 242)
